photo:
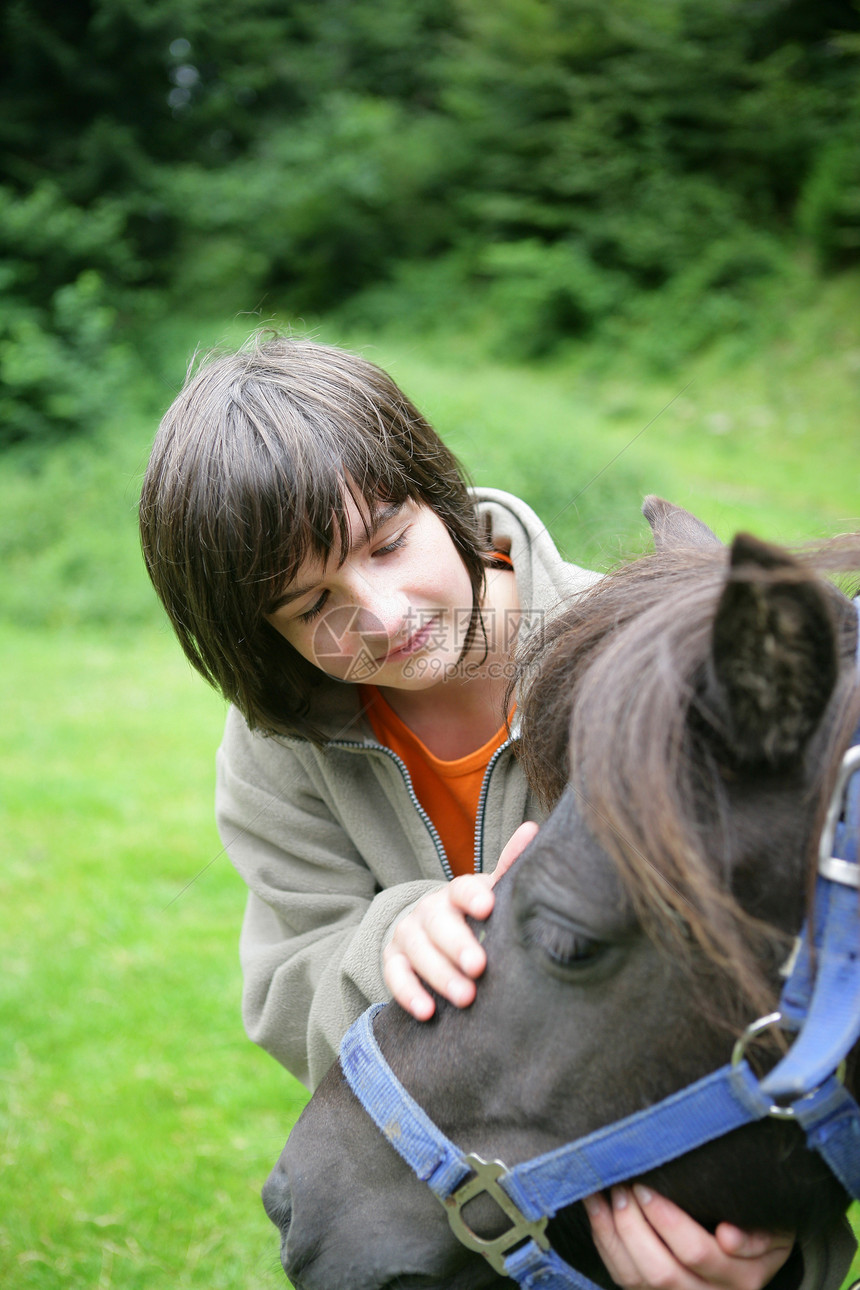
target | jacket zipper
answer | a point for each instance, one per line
(431, 827)
(413, 797)
(482, 804)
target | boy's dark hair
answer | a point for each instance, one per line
(249, 474)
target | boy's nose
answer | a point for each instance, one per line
(381, 618)
(381, 607)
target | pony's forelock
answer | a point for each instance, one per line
(611, 708)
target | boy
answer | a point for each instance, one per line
(327, 569)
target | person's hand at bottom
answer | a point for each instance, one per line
(646, 1240)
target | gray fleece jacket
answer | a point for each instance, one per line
(334, 848)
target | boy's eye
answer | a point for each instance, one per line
(308, 615)
(316, 608)
(393, 545)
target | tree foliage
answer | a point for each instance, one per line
(558, 161)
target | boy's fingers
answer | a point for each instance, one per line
(617, 1258)
(514, 848)
(406, 989)
(449, 933)
(434, 968)
(751, 1245)
(670, 1248)
(433, 946)
(472, 893)
(693, 1253)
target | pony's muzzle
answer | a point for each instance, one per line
(277, 1200)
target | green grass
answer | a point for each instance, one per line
(137, 1121)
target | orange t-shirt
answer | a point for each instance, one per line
(448, 790)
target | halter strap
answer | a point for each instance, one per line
(424, 1147)
(822, 993)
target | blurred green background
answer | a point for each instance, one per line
(608, 249)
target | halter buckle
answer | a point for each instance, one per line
(485, 1180)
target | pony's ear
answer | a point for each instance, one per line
(674, 528)
(774, 655)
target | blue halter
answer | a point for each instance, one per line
(820, 1001)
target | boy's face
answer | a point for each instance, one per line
(395, 612)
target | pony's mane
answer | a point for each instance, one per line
(613, 705)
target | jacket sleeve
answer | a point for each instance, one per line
(316, 918)
(827, 1257)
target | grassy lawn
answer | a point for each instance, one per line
(138, 1123)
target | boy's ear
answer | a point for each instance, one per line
(674, 528)
(774, 656)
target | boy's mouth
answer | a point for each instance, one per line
(413, 643)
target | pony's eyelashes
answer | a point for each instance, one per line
(564, 945)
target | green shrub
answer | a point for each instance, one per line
(540, 293)
(60, 366)
(724, 294)
(828, 212)
(318, 212)
(552, 161)
(61, 362)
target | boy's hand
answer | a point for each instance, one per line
(434, 945)
(646, 1240)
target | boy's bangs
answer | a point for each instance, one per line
(311, 520)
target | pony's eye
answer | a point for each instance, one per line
(562, 943)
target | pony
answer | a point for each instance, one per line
(682, 722)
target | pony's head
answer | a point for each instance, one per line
(683, 722)
(684, 703)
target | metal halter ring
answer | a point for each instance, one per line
(756, 1028)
